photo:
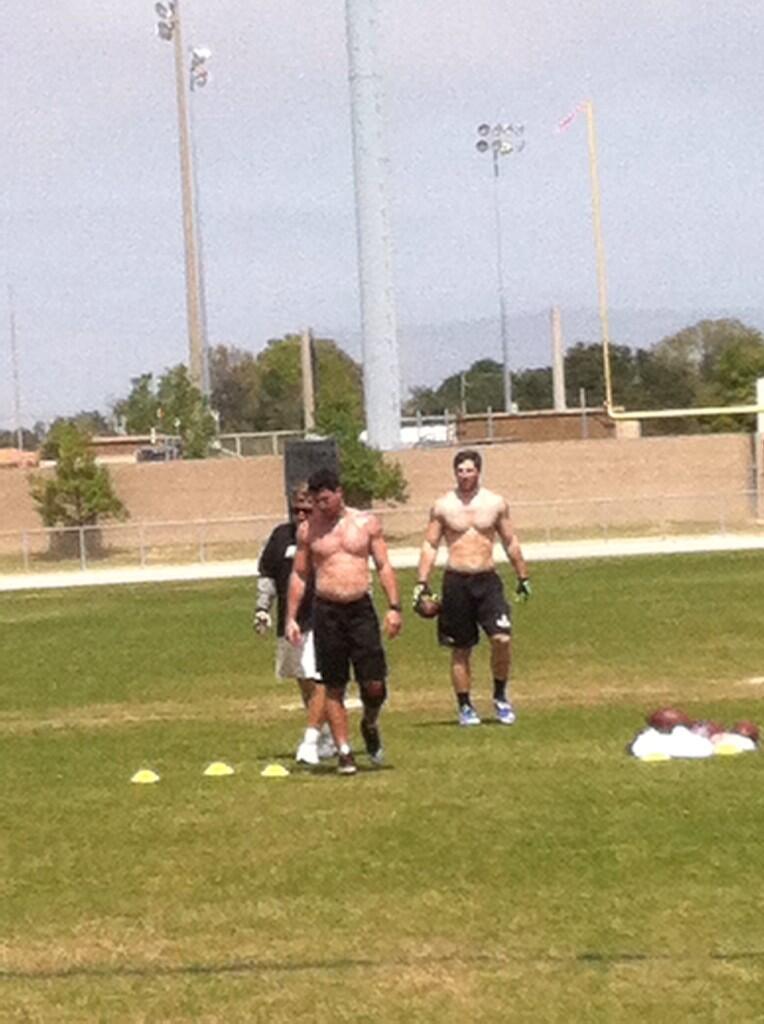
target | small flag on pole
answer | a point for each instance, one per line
(568, 121)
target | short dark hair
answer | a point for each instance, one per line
(469, 454)
(324, 479)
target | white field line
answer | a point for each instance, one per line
(401, 558)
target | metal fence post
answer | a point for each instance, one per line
(83, 555)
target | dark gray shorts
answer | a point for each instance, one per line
(471, 600)
(345, 635)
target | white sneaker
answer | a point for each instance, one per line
(505, 713)
(307, 753)
(468, 715)
(327, 748)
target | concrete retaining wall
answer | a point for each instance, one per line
(637, 481)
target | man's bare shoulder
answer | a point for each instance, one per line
(444, 503)
(363, 519)
(490, 499)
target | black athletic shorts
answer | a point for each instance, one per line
(471, 600)
(345, 635)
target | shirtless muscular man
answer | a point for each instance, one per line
(469, 518)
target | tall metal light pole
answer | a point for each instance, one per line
(169, 29)
(501, 140)
(198, 76)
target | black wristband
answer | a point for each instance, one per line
(395, 608)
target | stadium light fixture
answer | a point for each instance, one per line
(500, 140)
(166, 24)
(198, 73)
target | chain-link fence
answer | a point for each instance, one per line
(218, 540)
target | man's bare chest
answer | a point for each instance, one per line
(345, 538)
(460, 518)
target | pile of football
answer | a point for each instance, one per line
(671, 733)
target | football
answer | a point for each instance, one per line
(707, 729)
(666, 719)
(428, 606)
(746, 728)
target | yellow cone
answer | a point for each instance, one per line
(218, 768)
(144, 777)
(656, 755)
(727, 749)
(274, 771)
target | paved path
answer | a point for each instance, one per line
(402, 558)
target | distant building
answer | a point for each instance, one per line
(151, 447)
(15, 458)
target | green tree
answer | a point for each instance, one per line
(532, 389)
(700, 347)
(80, 492)
(9, 439)
(86, 422)
(584, 369)
(174, 405)
(366, 473)
(474, 390)
(279, 385)
(139, 410)
(714, 363)
(234, 387)
(279, 382)
(266, 393)
(185, 412)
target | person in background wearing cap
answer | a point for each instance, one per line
(293, 661)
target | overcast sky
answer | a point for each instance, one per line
(92, 241)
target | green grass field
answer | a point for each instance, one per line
(528, 874)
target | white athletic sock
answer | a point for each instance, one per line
(344, 748)
(311, 734)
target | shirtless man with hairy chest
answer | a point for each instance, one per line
(336, 544)
(470, 518)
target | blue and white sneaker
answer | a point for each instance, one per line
(468, 715)
(505, 713)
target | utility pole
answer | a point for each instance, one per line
(558, 361)
(308, 390)
(15, 373)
